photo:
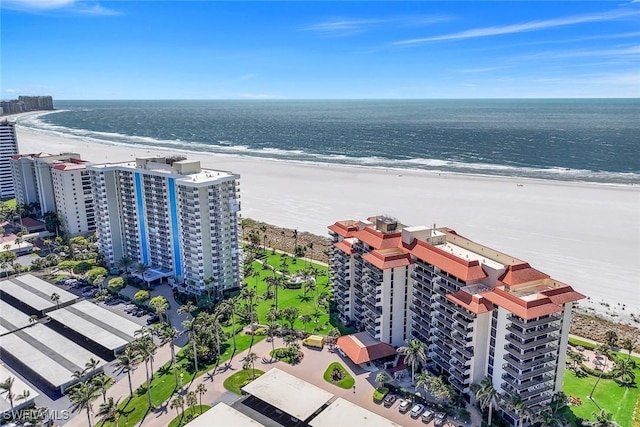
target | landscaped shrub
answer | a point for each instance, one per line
(336, 374)
(116, 284)
(95, 272)
(141, 296)
(597, 373)
(379, 394)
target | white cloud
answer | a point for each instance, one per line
(478, 70)
(248, 76)
(69, 6)
(347, 26)
(619, 51)
(523, 27)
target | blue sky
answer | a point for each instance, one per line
(309, 49)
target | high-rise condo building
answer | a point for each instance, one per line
(171, 215)
(8, 148)
(57, 183)
(479, 311)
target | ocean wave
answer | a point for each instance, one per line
(34, 123)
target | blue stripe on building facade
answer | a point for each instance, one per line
(142, 223)
(175, 236)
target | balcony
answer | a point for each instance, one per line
(528, 374)
(529, 354)
(533, 332)
(524, 365)
(521, 386)
(532, 343)
(531, 323)
(425, 325)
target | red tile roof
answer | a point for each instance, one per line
(521, 273)
(563, 295)
(521, 308)
(361, 347)
(388, 258)
(30, 222)
(467, 271)
(474, 303)
(344, 228)
(344, 246)
(378, 239)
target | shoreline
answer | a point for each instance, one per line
(584, 234)
(214, 150)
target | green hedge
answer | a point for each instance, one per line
(597, 373)
(379, 394)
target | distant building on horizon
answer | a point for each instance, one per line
(171, 215)
(26, 103)
(8, 148)
(56, 183)
(479, 312)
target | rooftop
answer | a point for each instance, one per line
(223, 415)
(19, 387)
(39, 346)
(468, 255)
(98, 324)
(11, 319)
(290, 394)
(362, 347)
(344, 413)
(34, 292)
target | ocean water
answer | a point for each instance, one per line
(575, 140)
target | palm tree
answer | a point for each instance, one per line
(82, 396)
(516, 404)
(486, 395)
(547, 419)
(177, 403)
(290, 314)
(24, 395)
(187, 308)
(603, 350)
(263, 228)
(140, 346)
(201, 390)
(91, 365)
(125, 262)
(382, 378)
(305, 319)
(55, 297)
(603, 419)
(168, 335)
(142, 269)
(191, 326)
(272, 331)
(295, 243)
(126, 362)
(6, 387)
(102, 383)
(627, 344)
(191, 399)
(611, 338)
(575, 358)
(624, 371)
(109, 411)
(160, 305)
(414, 355)
(249, 362)
(229, 307)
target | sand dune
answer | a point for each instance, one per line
(586, 235)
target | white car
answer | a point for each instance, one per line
(405, 405)
(416, 410)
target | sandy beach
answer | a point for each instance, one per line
(586, 235)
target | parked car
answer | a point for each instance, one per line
(90, 292)
(139, 313)
(389, 400)
(130, 308)
(440, 419)
(427, 416)
(416, 410)
(341, 351)
(153, 319)
(404, 407)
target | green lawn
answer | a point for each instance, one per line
(609, 395)
(240, 379)
(189, 414)
(347, 382)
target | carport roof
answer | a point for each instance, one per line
(223, 415)
(34, 292)
(19, 387)
(344, 413)
(53, 357)
(98, 324)
(11, 318)
(290, 394)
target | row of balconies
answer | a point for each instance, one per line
(535, 322)
(530, 343)
(532, 332)
(541, 388)
(524, 364)
(527, 385)
(527, 354)
(523, 375)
